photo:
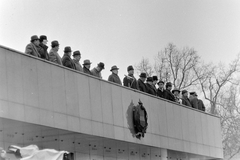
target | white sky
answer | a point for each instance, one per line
(121, 32)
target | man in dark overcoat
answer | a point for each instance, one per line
(114, 76)
(33, 48)
(201, 105)
(193, 100)
(149, 84)
(66, 59)
(129, 80)
(168, 94)
(43, 44)
(86, 66)
(160, 90)
(185, 99)
(141, 82)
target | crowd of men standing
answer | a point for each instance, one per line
(38, 47)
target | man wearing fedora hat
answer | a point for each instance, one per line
(114, 76)
(43, 44)
(176, 93)
(193, 100)
(141, 82)
(33, 48)
(76, 59)
(168, 94)
(160, 90)
(185, 99)
(155, 79)
(129, 80)
(96, 71)
(53, 54)
(66, 59)
(149, 85)
(86, 66)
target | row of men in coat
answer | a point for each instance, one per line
(167, 92)
(38, 47)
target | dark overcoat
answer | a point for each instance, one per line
(87, 71)
(43, 51)
(201, 105)
(194, 102)
(160, 93)
(67, 61)
(150, 89)
(130, 81)
(186, 101)
(169, 96)
(142, 86)
(114, 78)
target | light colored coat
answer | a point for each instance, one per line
(32, 50)
(54, 57)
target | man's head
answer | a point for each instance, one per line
(143, 76)
(149, 80)
(130, 70)
(161, 84)
(35, 40)
(77, 55)
(176, 92)
(184, 93)
(43, 39)
(114, 69)
(155, 79)
(55, 45)
(100, 66)
(169, 86)
(68, 50)
(193, 95)
(87, 63)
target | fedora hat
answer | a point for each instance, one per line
(67, 49)
(114, 68)
(129, 68)
(75, 53)
(101, 65)
(155, 78)
(86, 62)
(160, 82)
(43, 37)
(149, 79)
(54, 43)
(143, 75)
(34, 37)
(175, 89)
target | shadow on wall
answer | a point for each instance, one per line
(129, 116)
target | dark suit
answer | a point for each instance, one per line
(186, 101)
(169, 96)
(130, 81)
(201, 105)
(68, 62)
(160, 93)
(194, 103)
(142, 86)
(150, 89)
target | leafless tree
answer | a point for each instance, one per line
(144, 66)
(212, 79)
(230, 120)
(176, 65)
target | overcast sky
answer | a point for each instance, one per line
(121, 32)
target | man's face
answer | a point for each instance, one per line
(185, 94)
(131, 72)
(88, 66)
(161, 85)
(56, 48)
(176, 93)
(169, 88)
(36, 42)
(150, 82)
(115, 71)
(44, 41)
